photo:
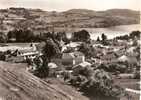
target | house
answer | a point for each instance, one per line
(122, 42)
(52, 69)
(72, 45)
(132, 52)
(21, 55)
(27, 53)
(109, 57)
(96, 60)
(129, 59)
(123, 58)
(73, 58)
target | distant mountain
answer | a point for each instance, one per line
(40, 21)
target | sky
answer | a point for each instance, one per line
(62, 5)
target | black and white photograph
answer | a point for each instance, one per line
(70, 49)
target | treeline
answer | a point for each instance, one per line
(25, 35)
(132, 35)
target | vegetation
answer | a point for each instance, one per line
(96, 82)
(125, 37)
(42, 69)
(87, 49)
(114, 67)
(104, 37)
(135, 34)
(98, 39)
(132, 35)
(22, 35)
(82, 36)
(51, 49)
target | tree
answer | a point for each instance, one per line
(50, 49)
(42, 70)
(98, 39)
(11, 34)
(87, 49)
(22, 35)
(82, 36)
(104, 37)
(124, 37)
(135, 34)
(135, 42)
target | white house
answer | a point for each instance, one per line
(73, 58)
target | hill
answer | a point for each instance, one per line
(40, 21)
(18, 84)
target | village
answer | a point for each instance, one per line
(76, 61)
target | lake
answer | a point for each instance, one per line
(111, 32)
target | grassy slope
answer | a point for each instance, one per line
(18, 84)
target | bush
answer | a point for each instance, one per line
(114, 67)
(38, 66)
(42, 71)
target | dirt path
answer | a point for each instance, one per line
(18, 84)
